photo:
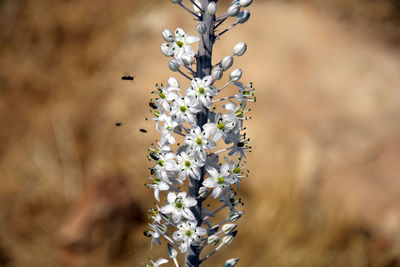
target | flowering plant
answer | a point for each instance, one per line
(192, 131)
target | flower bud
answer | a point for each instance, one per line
(226, 62)
(228, 228)
(202, 191)
(233, 10)
(213, 240)
(201, 28)
(167, 35)
(216, 74)
(176, 1)
(234, 216)
(213, 229)
(231, 262)
(172, 81)
(235, 75)
(239, 49)
(172, 253)
(187, 60)
(165, 49)
(173, 65)
(212, 8)
(243, 16)
(245, 3)
(226, 240)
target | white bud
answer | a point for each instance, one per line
(176, 1)
(235, 75)
(226, 240)
(172, 81)
(231, 262)
(245, 3)
(187, 60)
(167, 35)
(243, 16)
(228, 228)
(165, 49)
(216, 74)
(173, 65)
(197, 10)
(233, 10)
(202, 191)
(239, 49)
(213, 240)
(212, 8)
(172, 253)
(234, 216)
(201, 28)
(226, 62)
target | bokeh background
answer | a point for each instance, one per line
(324, 185)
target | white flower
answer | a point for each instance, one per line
(158, 185)
(202, 90)
(198, 142)
(181, 45)
(235, 114)
(218, 180)
(189, 234)
(157, 263)
(165, 164)
(179, 205)
(218, 129)
(167, 94)
(188, 166)
(184, 110)
(168, 128)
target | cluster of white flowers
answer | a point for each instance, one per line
(187, 149)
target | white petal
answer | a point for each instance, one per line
(167, 209)
(187, 213)
(171, 197)
(189, 202)
(200, 231)
(192, 39)
(216, 192)
(176, 216)
(160, 261)
(209, 182)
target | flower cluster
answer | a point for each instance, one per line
(193, 125)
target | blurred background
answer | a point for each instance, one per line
(324, 187)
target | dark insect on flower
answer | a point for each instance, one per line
(118, 124)
(152, 105)
(147, 234)
(127, 78)
(143, 130)
(154, 156)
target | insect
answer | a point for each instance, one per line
(127, 78)
(143, 130)
(118, 124)
(152, 105)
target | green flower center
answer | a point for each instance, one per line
(178, 204)
(236, 170)
(156, 180)
(160, 162)
(188, 233)
(199, 141)
(180, 44)
(220, 180)
(187, 163)
(201, 90)
(183, 108)
(221, 126)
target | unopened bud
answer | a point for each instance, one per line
(226, 240)
(239, 49)
(245, 3)
(243, 16)
(187, 60)
(202, 191)
(213, 229)
(226, 62)
(235, 75)
(212, 8)
(216, 74)
(233, 10)
(172, 81)
(173, 65)
(165, 49)
(231, 262)
(201, 28)
(213, 240)
(228, 228)
(167, 35)
(234, 216)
